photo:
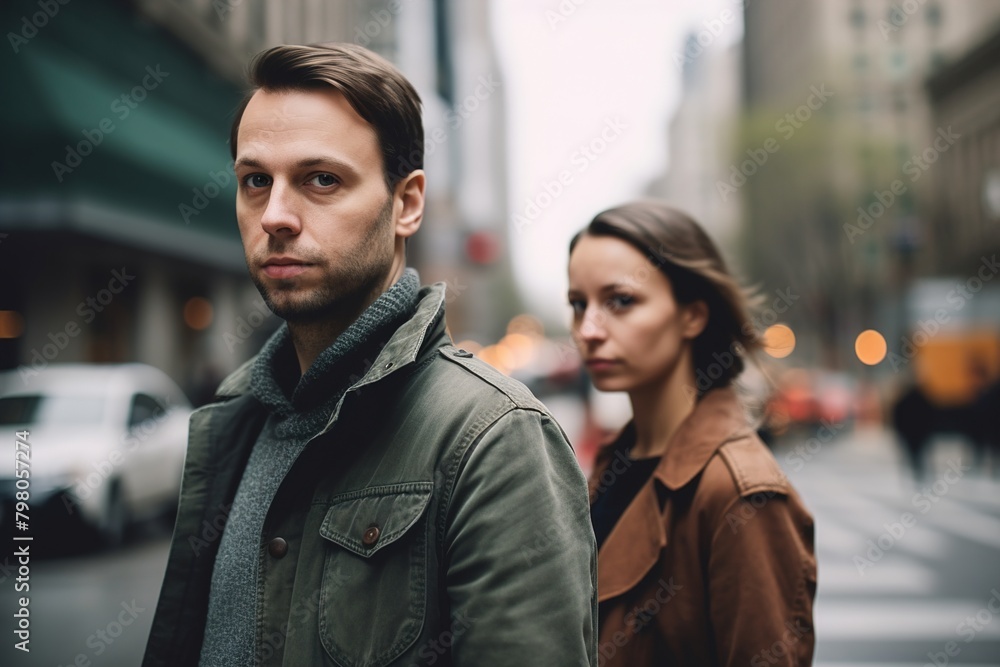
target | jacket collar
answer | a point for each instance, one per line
(635, 543)
(402, 349)
(716, 419)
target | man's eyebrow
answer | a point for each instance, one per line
(255, 163)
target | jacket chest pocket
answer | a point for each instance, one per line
(374, 590)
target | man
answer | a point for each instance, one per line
(385, 497)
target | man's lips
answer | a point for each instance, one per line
(284, 267)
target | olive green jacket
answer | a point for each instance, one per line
(440, 518)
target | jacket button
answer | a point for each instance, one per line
(371, 536)
(277, 547)
(465, 354)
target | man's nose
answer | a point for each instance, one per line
(280, 217)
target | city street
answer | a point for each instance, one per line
(91, 610)
(901, 575)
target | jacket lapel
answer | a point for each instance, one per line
(637, 540)
(221, 437)
(633, 547)
(717, 418)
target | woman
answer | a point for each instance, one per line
(705, 550)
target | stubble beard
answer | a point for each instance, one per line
(346, 288)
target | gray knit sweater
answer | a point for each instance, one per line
(298, 408)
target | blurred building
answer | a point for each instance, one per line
(959, 266)
(128, 249)
(117, 212)
(836, 159)
(702, 135)
(964, 222)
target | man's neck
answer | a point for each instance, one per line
(310, 339)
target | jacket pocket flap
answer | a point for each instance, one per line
(367, 520)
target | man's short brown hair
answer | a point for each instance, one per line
(377, 91)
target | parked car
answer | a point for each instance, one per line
(809, 398)
(107, 445)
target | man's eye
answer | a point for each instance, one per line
(254, 181)
(324, 180)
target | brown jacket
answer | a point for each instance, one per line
(712, 563)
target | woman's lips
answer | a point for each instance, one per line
(601, 364)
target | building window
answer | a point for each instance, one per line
(934, 15)
(897, 64)
(858, 18)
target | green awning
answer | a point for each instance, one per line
(146, 154)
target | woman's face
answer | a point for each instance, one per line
(627, 325)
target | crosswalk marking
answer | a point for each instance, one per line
(898, 620)
(913, 596)
(905, 576)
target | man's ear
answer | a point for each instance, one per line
(695, 319)
(409, 204)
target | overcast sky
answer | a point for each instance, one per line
(594, 74)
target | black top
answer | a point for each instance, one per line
(618, 485)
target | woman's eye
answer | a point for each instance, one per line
(323, 180)
(578, 306)
(254, 181)
(620, 301)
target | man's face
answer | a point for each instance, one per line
(317, 222)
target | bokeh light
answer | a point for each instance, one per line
(779, 340)
(870, 347)
(198, 313)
